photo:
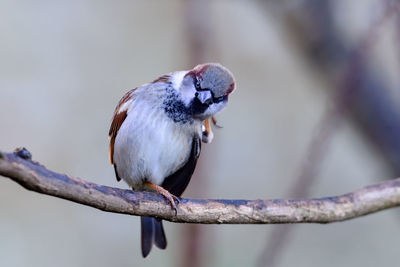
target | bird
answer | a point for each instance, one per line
(156, 134)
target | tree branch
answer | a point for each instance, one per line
(19, 167)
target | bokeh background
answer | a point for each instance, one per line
(316, 113)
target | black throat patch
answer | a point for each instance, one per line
(176, 109)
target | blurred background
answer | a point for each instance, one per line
(316, 113)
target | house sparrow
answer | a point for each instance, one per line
(156, 132)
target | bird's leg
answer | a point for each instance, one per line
(208, 126)
(170, 197)
(207, 132)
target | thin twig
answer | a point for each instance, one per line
(33, 176)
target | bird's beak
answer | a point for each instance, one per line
(205, 97)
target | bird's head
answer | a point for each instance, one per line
(205, 89)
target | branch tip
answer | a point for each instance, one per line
(22, 152)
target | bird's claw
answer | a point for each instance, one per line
(170, 197)
(173, 201)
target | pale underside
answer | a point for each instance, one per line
(150, 146)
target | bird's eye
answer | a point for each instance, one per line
(197, 85)
(219, 99)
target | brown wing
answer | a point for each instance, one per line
(120, 113)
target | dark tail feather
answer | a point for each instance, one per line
(159, 237)
(152, 233)
(148, 233)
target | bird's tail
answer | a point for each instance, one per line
(152, 233)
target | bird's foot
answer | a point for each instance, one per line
(207, 135)
(173, 200)
(214, 121)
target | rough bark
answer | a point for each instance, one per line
(19, 167)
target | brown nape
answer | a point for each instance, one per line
(163, 79)
(197, 71)
(231, 88)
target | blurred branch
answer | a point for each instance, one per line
(360, 92)
(20, 168)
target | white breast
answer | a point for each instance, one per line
(150, 146)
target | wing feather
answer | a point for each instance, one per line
(120, 113)
(177, 182)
